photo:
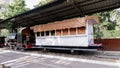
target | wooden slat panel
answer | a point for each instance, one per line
(81, 30)
(73, 31)
(109, 44)
(65, 24)
(58, 32)
(65, 31)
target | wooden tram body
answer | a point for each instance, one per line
(77, 32)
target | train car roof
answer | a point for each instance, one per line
(60, 10)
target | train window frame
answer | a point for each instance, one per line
(65, 32)
(58, 33)
(37, 34)
(72, 31)
(61, 32)
(81, 30)
(76, 30)
(42, 33)
(68, 31)
(53, 33)
(47, 33)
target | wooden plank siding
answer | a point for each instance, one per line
(72, 31)
(109, 44)
(65, 24)
(81, 30)
(58, 32)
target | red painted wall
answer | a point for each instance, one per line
(109, 44)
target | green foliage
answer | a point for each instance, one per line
(4, 33)
(97, 32)
(16, 7)
(111, 34)
(107, 22)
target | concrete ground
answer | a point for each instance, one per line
(17, 59)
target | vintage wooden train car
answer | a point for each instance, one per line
(71, 33)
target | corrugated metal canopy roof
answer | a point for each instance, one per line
(60, 10)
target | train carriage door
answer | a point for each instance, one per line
(90, 24)
(90, 32)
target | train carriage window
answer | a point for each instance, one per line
(81, 30)
(47, 33)
(65, 31)
(38, 33)
(53, 33)
(42, 33)
(58, 32)
(72, 31)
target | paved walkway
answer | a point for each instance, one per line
(31, 60)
